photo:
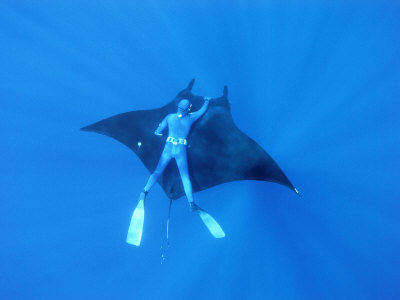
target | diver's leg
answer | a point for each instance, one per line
(207, 219)
(136, 226)
(163, 162)
(181, 161)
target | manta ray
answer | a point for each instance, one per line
(217, 150)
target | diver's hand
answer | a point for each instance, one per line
(206, 98)
(157, 133)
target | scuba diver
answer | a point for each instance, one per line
(179, 125)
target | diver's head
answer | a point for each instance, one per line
(184, 107)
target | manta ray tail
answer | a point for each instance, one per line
(136, 227)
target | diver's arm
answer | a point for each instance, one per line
(197, 114)
(161, 126)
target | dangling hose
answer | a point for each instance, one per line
(164, 249)
(169, 216)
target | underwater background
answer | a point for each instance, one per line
(315, 83)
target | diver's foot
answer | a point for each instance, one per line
(143, 195)
(194, 206)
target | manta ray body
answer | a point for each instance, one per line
(217, 151)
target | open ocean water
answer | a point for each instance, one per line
(315, 83)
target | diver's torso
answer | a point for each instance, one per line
(179, 127)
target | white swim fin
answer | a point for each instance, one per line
(136, 227)
(210, 222)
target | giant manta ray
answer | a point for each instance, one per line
(217, 151)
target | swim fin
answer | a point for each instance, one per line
(209, 221)
(136, 227)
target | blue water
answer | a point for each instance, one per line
(315, 83)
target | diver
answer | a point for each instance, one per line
(179, 125)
